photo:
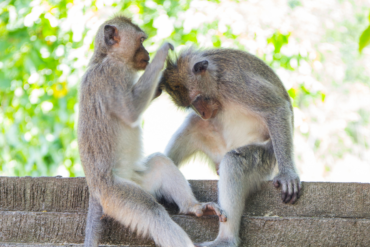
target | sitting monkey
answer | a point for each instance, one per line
(122, 184)
(242, 120)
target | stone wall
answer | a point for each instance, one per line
(49, 211)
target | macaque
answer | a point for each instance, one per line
(242, 119)
(122, 183)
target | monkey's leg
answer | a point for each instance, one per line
(93, 222)
(135, 208)
(241, 172)
(164, 179)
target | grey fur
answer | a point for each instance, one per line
(123, 184)
(247, 122)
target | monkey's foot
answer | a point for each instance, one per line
(218, 243)
(208, 208)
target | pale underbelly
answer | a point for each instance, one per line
(234, 129)
(129, 153)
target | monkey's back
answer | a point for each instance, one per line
(244, 77)
(238, 66)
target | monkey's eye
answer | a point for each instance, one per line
(177, 87)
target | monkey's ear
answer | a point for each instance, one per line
(200, 67)
(111, 36)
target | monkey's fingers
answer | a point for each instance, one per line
(211, 208)
(166, 46)
(284, 189)
(104, 216)
(290, 186)
(289, 192)
(276, 183)
(158, 93)
(171, 46)
(297, 191)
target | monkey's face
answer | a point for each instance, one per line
(141, 56)
(173, 85)
(125, 41)
(189, 87)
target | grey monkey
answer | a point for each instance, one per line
(123, 184)
(242, 120)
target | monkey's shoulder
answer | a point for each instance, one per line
(236, 66)
(99, 79)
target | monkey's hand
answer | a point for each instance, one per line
(161, 55)
(290, 185)
(208, 208)
(158, 92)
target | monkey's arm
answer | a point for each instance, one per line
(281, 133)
(183, 143)
(144, 90)
(271, 103)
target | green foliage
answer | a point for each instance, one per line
(364, 38)
(43, 57)
(37, 90)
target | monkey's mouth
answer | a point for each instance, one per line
(204, 107)
(145, 60)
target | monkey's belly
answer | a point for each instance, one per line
(128, 153)
(241, 127)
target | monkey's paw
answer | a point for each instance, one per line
(208, 208)
(161, 56)
(290, 185)
(219, 243)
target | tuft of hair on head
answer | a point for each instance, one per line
(171, 62)
(124, 19)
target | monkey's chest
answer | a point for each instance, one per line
(240, 128)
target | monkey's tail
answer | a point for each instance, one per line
(138, 210)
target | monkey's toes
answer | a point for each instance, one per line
(211, 208)
(219, 243)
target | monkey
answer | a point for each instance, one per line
(241, 117)
(122, 183)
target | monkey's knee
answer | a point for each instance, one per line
(249, 159)
(158, 161)
(160, 169)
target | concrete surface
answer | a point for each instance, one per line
(51, 211)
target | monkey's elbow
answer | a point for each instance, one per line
(135, 123)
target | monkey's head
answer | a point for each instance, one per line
(187, 80)
(121, 39)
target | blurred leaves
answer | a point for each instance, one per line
(45, 46)
(36, 103)
(364, 38)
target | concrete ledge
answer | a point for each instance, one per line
(71, 195)
(54, 228)
(52, 211)
(64, 245)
